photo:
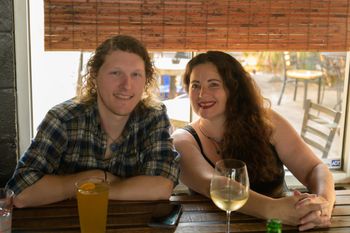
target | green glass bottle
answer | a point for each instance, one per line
(274, 226)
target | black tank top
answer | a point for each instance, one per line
(274, 188)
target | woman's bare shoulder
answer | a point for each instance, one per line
(277, 119)
(283, 131)
(180, 135)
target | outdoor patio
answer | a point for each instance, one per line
(293, 110)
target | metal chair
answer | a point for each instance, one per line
(333, 67)
(292, 73)
(319, 126)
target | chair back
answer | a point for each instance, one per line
(289, 62)
(176, 124)
(319, 126)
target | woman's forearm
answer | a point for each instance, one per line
(258, 206)
(320, 181)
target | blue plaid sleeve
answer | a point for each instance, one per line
(161, 159)
(42, 156)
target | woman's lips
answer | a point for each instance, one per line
(207, 104)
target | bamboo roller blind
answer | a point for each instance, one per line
(194, 25)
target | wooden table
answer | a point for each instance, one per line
(199, 215)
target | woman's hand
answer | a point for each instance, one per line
(318, 211)
(285, 209)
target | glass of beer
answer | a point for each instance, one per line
(229, 187)
(92, 196)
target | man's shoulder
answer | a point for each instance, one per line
(71, 109)
(144, 116)
(151, 111)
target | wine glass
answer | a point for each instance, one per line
(229, 186)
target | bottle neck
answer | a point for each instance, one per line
(274, 226)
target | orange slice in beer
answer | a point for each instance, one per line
(87, 186)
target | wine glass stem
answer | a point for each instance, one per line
(228, 213)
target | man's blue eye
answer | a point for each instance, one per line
(137, 75)
(116, 73)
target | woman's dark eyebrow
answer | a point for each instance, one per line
(214, 80)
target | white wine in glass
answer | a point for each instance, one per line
(229, 187)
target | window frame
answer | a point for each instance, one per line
(24, 95)
(23, 74)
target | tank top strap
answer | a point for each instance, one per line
(193, 132)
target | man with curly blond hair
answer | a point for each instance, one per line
(114, 128)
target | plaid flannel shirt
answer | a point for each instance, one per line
(70, 139)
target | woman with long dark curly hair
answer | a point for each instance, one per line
(236, 121)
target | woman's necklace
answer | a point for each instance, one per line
(216, 143)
